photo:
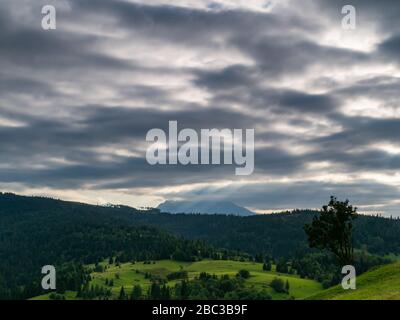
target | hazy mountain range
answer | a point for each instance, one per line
(204, 207)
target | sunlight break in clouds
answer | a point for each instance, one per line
(78, 101)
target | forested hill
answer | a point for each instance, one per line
(276, 234)
(279, 235)
(38, 231)
(35, 232)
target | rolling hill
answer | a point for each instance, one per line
(380, 283)
(34, 231)
(128, 275)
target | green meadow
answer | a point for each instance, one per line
(380, 283)
(130, 274)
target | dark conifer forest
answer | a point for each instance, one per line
(38, 231)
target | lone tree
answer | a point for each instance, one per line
(136, 292)
(122, 295)
(332, 230)
(245, 274)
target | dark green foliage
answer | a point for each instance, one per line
(208, 286)
(38, 231)
(56, 296)
(278, 285)
(98, 268)
(94, 293)
(181, 255)
(182, 290)
(165, 292)
(122, 294)
(177, 275)
(136, 292)
(322, 266)
(35, 232)
(244, 274)
(158, 292)
(333, 230)
(267, 266)
(282, 266)
(259, 258)
(278, 235)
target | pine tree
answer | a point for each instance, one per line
(165, 293)
(79, 293)
(267, 266)
(184, 290)
(282, 266)
(122, 295)
(155, 291)
(136, 292)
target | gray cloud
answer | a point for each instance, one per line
(391, 47)
(77, 102)
(308, 194)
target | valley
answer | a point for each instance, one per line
(99, 250)
(128, 275)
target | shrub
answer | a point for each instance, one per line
(245, 274)
(278, 285)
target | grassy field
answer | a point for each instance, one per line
(381, 283)
(69, 295)
(129, 274)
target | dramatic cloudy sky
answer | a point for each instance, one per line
(76, 102)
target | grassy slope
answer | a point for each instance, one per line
(69, 295)
(381, 283)
(128, 276)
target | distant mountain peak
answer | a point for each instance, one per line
(204, 207)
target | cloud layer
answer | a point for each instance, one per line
(77, 102)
